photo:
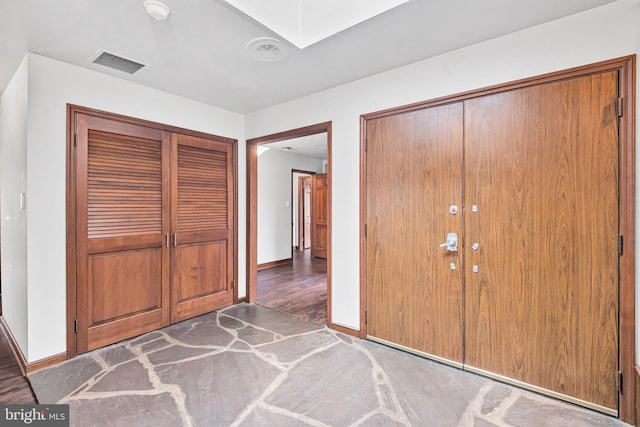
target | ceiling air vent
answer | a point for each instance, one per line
(267, 49)
(117, 62)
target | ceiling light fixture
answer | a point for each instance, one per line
(157, 10)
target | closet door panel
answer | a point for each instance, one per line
(542, 169)
(203, 269)
(112, 278)
(122, 275)
(202, 225)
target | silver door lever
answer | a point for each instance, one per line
(452, 242)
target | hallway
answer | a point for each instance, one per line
(298, 288)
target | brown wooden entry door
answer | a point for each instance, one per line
(539, 225)
(542, 169)
(414, 176)
(122, 187)
(202, 224)
(319, 215)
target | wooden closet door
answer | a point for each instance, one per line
(542, 169)
(414, 176)
(319, 215)
(122, 221)
(202, 225)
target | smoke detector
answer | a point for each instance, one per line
(267, 49)
(156, 9)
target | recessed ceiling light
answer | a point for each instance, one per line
(267, 49)
(156, 9)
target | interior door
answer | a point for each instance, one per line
(319, 215)
(122, 271)
(414, 199)
(306, 204)
(202, 226)
(542, 169)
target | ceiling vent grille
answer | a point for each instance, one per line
(117, 63)
(267, 49)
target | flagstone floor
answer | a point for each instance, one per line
(251, 366)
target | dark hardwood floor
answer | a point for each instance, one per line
(14, 388)
(298, 289)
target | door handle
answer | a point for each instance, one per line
(452, 242)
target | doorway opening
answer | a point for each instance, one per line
(288, 227)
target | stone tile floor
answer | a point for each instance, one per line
(251, 366)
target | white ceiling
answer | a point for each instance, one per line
(199, 51)
(314, 146)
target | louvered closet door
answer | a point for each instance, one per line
(202, 226)
(122, 221)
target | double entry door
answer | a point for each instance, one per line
(154, 228)
(492, 235)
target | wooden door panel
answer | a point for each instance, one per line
(321, 234)
(122, 272)
(111, 278)
(319, 215)
(414, 174)
(202, 274)
(542, 169)
(202, 221)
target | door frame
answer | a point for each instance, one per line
(626, 67)
(71, 219)
(252, 205)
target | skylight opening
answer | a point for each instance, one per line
(306, 22)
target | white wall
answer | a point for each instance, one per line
(599, 34)
(53, 84)
(274, 192)
(13, 220)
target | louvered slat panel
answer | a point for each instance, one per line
(202, 189)
(124, 186)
